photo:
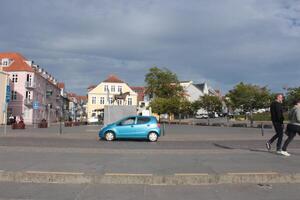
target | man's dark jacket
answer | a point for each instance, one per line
(276, 112)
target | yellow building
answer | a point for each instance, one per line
(111, 91)
(3, 83)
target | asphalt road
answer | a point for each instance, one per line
(28, 191)
(183, 151)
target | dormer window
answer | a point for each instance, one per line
(5, 62)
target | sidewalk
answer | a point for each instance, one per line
(147, 163)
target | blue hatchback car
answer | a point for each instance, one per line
(132, 127)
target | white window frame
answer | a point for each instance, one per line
(28, 95)
(110, 100)
(13, 95)
(129, 101)
(105, 88)
(120, 102)
(112, 88)
(94, 100)
(15, 78)
(120, 88)
(102, 100)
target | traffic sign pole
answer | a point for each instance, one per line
(35, 106)
(5, 118)
(7, 99)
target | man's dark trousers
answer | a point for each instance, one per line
(279, 134)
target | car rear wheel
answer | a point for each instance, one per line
(152, 137)
(109, 136)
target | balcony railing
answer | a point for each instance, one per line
(28, 102)
(29, 84)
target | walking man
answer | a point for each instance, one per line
(277, 120)
(293, 126)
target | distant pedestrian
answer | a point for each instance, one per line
(293, 126)
(277, 120)
(11, 119)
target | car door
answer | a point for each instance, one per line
(125, 128)
(142, 126)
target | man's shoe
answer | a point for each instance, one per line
(285, 153)
(268, 145)
(279, 152)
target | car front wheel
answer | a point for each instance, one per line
(152, 137)
(109, 136)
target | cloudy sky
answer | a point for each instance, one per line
(81, 42)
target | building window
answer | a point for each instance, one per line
(5, 62)
(28, 95)
(13, 95)
(93, 100)
(120, 88)
(112, 88)
(110, 100)
(15, 78)
(102, 99)
(130, 101)
(29, 78)
(106, 88)
(120, 101)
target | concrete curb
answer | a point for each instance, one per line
(147, 179)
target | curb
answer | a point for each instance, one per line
(147, 179)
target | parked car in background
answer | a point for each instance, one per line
(201, 116)
(132, 127)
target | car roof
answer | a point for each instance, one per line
(139, 116)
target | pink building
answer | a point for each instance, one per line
(31, 84)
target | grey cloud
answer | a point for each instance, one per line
(81, 42)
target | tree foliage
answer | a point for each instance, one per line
(248, 97)
(211, 103)
(292, 95)
(167, 96)
(195, 106)
(162, 83)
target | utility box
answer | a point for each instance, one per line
(114, 113)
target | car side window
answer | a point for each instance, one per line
(143, 120)
(128, 121)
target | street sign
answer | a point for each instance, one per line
(7, 94)
(35, 105)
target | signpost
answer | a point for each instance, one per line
(35, 106)
(7, 100)
(7, 94)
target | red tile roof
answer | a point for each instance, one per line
(71, 94)
(113, 79)
(61, 85)
(140, 92)
(91, 87)
(18, 62)
(82, 98)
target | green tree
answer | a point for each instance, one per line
(165, 105)
(185, 108)
(165, 91)
(248, 97)
(292, 95)
(195, 106)
(158, 105)
(211, 104)
(162, 83)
